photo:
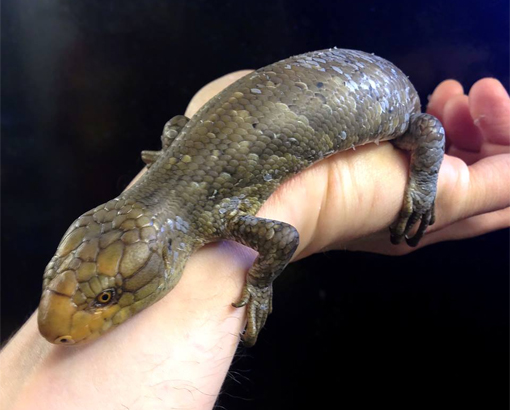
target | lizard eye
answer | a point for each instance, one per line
(105, 297)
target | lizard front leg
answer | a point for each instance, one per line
(425, 140)
(275, 242)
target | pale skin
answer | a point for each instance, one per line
(176, 353)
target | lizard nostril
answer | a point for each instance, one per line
(64, 340)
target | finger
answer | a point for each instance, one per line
(463, 229)
(470, 227)
(465, 193)
(437, 101)
(443, 92)
(459, 126)
(468, 191)
(468, 157)
(466, 228)
(487, 150)
(490, 110)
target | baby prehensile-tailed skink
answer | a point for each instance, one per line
(213, 174)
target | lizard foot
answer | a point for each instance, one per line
(407, 219)
(258, 301)
(425, 140)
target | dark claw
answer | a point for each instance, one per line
(245, 298)
(259, 305)
(398, 234)
(432, 214)
(395, 239)
(425, 222)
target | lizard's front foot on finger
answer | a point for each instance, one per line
(425, 140)
(258, 301)
(408, 217)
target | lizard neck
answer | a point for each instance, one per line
(165, 206)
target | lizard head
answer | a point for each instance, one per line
(112, 262)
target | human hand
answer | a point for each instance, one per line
(349, 200)
(177, 353)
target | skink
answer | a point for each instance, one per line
(213, 174)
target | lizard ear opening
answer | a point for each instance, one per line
(168, 257)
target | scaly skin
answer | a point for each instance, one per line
(214, 173)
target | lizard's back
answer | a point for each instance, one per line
(280, 119)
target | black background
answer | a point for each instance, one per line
(86, 85)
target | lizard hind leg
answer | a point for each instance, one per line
(275, 242)
(171, 130)
(425, 140)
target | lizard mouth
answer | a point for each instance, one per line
(61, 322)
